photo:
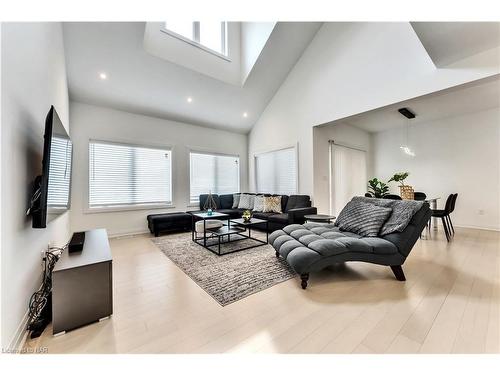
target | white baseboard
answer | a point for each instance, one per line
(476, 227)
(128, 233)
(19, 339)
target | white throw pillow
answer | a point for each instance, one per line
(246, 201)
(236, 200)
(209, 224)
(258, 203)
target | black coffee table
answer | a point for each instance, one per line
(234, 230)
(319, 218)
(248, 224)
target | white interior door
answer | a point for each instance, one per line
(347, 176)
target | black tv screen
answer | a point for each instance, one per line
(54, 185)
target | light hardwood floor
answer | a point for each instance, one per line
(450, 303)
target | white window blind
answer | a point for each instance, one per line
(276, 171)
(219, 174)
(121, 175)
(59, 173)
(349, 176)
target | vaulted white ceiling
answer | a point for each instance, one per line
(448, 42)
(142, 83)
(143, 78)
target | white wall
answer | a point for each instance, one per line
(347, 69)
(343, 134)
(33, 78)
(254, 36)
(453, 155)
(92, 122)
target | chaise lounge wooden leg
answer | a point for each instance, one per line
(304, 277)
(398, 272)
(277, 254)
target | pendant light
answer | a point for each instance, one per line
(409, 115)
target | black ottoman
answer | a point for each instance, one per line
(175, 221)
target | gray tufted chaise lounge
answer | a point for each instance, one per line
(311, 247)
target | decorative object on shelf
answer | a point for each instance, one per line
(247, 215)
(210, 205)
(409, 115)
(377, 188)
(406, 191)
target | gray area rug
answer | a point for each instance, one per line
(230, 277)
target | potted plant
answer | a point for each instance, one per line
(377, 188)
(406, 190)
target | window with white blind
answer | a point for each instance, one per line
(276, 171)
(129, 175)
(59, 173)
(219, 174)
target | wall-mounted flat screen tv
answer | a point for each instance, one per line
(53, 187)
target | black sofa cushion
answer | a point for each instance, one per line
(284, 202)
(279, 218)
(263, 215)
(226, 201)
(234, 213)
(297, 201)
(203, 199)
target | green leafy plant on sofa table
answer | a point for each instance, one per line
(400, 177)
(377, 188)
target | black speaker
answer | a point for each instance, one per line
(76, 243)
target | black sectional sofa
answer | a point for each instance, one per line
(294, 208)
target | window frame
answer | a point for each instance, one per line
(205, 152)
(295, 146)
(129, 207)
(195, 42)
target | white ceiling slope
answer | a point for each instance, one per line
(141, 83)
(472, 97)
(172, 49)
(246, 40)
(449, 42)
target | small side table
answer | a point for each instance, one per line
(319, 218)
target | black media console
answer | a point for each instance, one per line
(82, 284)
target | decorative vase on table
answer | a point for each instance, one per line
(210, 205)
(247, 215)
(407, 192)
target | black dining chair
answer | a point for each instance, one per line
(443, 214)
(392, 196)
(419, 196)
(451, 211)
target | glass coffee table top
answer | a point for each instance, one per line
(205, 215)
(252, 221)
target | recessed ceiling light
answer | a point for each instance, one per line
(103, 76)
(245, 114)
(189, 99)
